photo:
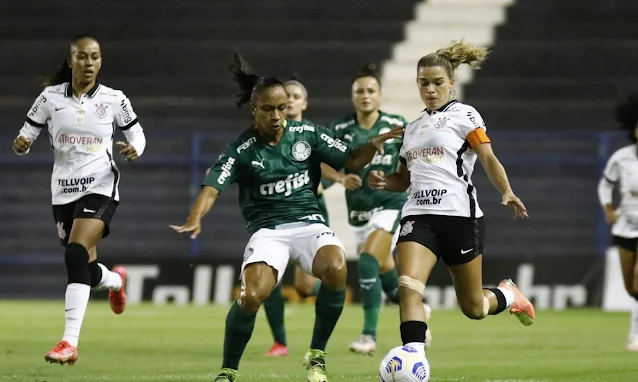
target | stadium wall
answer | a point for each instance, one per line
(550, 282)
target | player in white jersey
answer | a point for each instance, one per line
(441, 218)
(81, 115)
(622, 171)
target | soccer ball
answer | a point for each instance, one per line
(404, 364)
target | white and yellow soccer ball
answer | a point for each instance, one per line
(404, 364)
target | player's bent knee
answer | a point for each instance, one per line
(331, 267)
(251, 299)
(409, 283)
(475, 310)
(76, 259)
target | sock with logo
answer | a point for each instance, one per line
(274, 307)
(78, 291)
(102, 278)
(390, 285)
(504, 298)
(328, 308)
(370, 292)
(239, 329)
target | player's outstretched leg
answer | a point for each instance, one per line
(370, 286)
(258, 279)
(390, 285)
(76, 299)
(330, 266)
(274, 308)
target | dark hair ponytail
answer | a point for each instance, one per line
(368, 70)
(61, 75)
(250, 85)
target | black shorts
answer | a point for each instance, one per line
(628, 244)
(89, 206)
(454, 239)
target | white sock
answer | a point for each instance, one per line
(633, 327)
(509, 297)
(110, 279)
(75, 301)
(417, 345)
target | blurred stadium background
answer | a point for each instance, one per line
(547, 94)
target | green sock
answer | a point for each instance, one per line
(315, 289)
(239, 328)
(328, 308)
(370, 292)
(274, 307)
(390, 285)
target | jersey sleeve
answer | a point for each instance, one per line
(473, 128)
(40, 112)
(611, 173)
(330, 149)
(124, 116)
(37, 118)
(224, 172)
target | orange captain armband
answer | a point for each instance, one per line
(477, 137)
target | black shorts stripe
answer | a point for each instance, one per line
(131, 124)
(609, 180)
(461, 174)
(116, 175)
(35, 124)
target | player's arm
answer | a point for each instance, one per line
(360, 156)
(36, 120)
(218, 177)
(126, 120)
(606, 187)
(398, 181)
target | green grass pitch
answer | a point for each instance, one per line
(184, 343)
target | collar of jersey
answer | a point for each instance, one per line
(442, 108)
(91, 93)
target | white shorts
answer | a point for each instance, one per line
(387, 220)
(297, 242)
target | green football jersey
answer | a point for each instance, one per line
(364, 201)
(278, 184)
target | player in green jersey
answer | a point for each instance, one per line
(305, 284)
(277, 165)
(373, 215)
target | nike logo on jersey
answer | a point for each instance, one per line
(90, 211)
(464, 251)
(59, 108)
(260, 164)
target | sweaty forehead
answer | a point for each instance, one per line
(86, 46)
(273, 95)
(365, 83)
(432, 72)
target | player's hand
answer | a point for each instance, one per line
(21, 144)
(193, 224)
(127, 150)
(611, 216)
(379, 141)
(351, 181)
(376, 180)
(511, 200)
